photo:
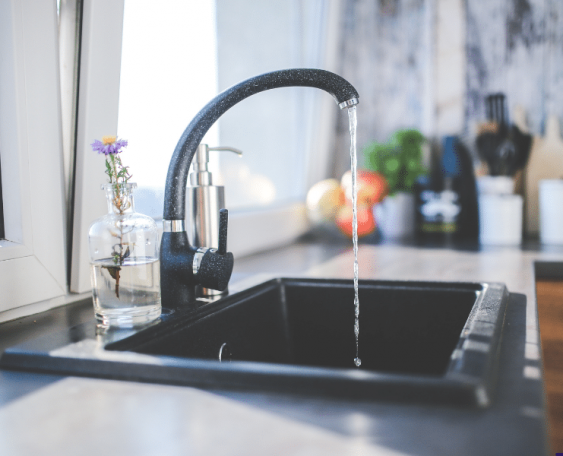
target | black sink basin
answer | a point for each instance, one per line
(418, 342)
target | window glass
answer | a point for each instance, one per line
(268, 127)
(279, 130)
(168, 73)
(177, 57)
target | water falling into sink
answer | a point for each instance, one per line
(354, 168)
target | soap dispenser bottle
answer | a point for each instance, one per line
(203, 203)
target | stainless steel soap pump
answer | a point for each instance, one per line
(203, 203)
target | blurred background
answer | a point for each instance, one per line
(426, 66)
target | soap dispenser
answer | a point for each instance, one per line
(203, 203)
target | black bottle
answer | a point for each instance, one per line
(447, 198)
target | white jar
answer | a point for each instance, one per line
(551, 211)
(395, 216)
(500, 211)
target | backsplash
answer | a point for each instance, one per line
(402, 57)
(386, 51)
(516, 46)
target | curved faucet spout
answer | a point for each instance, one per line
(183, 267)
(175, 194)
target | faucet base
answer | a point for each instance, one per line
(177, 284)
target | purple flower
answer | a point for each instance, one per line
(109, 145)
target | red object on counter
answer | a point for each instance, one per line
(366, 221)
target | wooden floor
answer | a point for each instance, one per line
(550, 311)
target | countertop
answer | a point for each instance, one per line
(43, 414)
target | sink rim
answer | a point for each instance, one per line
(469, 380)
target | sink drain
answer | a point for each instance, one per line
(225, 354)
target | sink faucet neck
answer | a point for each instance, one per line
(175, 194)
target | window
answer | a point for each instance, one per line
(283, 133)
(98, 98)
(41, 168)
(272, 128)
(171, 72)
(167, 76)
(32, 253)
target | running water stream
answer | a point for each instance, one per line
(354, 169)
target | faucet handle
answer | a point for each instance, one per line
(212, 268)
(223, 228)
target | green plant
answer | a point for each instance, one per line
(399, 160)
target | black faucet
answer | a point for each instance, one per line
(183, 267)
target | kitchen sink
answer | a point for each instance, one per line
(418, 342)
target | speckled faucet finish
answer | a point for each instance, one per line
(178, 279)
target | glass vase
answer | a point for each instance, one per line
(125, 269)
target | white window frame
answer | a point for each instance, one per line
(32, 257)
(98, 102)
(249, 231)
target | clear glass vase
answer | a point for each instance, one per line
(125, 269)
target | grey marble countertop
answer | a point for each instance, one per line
(42, 414)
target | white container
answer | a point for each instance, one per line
(500, 219)
(551, 211)
(395, 216)
(495, 185)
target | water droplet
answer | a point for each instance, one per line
(357, 362)
(148, 242)
(96, 251)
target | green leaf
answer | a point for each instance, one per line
(392, 165)
(399, 160)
